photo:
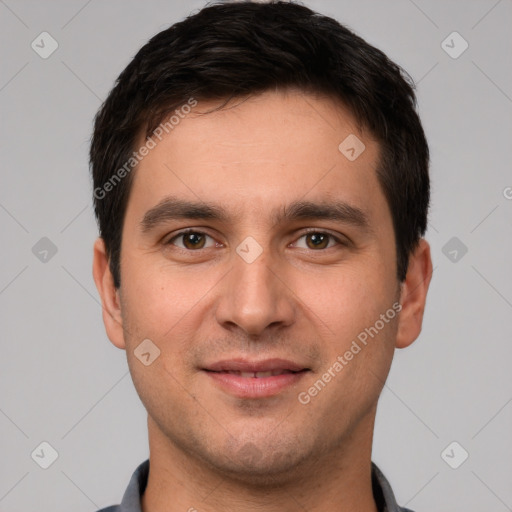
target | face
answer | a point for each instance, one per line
(274, 254)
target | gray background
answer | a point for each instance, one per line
(61, 381)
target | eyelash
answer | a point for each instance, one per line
(307, 232)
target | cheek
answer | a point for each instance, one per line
(173, 309)
(159, 299)
(344, 302)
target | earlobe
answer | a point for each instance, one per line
(110, 299)
(414, 294)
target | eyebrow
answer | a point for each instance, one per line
(173, 208)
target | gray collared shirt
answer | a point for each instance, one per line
(382, 492)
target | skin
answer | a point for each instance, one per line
(210, 450)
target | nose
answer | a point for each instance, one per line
(255, 297)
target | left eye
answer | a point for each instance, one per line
(191, 240)
(318, 240)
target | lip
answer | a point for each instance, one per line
(255, 387)
(243, 365)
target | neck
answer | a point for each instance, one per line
(339, 480)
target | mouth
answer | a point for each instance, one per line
(250, 379)
(257, 375)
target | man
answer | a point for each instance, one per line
(261, 187)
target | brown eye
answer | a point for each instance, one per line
(317, 240)
(190, 240)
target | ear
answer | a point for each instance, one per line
(110, 300)
(413, 294)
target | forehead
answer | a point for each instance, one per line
(262, 152)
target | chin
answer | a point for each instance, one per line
(260, 464)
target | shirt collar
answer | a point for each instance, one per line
(382, 491)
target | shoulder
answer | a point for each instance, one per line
(135, 489)
(383, 493)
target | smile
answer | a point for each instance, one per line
(255, 379)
